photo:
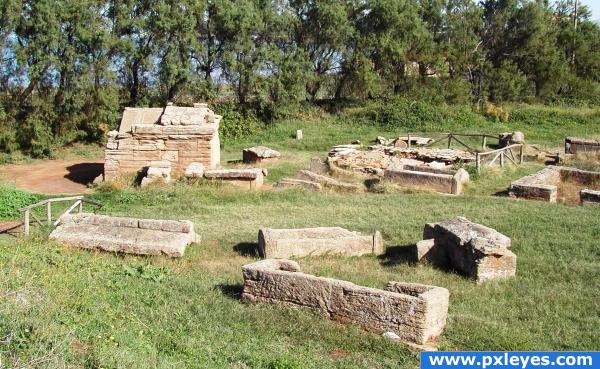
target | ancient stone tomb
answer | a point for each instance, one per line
(285, 243)
(558, 184)
(480, 252)
(415, 312)
(176, 134)
(128, 235)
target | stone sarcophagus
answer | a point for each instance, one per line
(176, 134)
(475, 250)
(414, 312)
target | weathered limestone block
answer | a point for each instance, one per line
(285, 243)
(194, 170)
(480, 252)
(128, 235)
(328, 182)
(319, 167)
(414, 312)
(589, 197)
(258, 154)
(509, 138)
(294, 182)
(250, 178)
(158, 172)
(428, 178)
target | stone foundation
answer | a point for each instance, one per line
(128, 235)
(477, 251)
(179, 135)
(416, 313)
(286, 243)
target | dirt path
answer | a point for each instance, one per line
(52, 176)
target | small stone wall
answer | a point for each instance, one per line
(180, 135)
(573, 145)
(480, 252)
(416, 313)
(128, 235)
(286, 243)
(544, 185)
(538, 186)
(427, 178)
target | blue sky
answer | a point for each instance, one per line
(594, 5)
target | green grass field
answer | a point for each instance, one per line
(69, 308)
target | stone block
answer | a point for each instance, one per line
(301, 242)
(479, 252)
(127, 235)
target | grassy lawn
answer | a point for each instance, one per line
(68, 308)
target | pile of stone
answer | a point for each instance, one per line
(379, 158)
(427, 155)
(179, 135)
(286, 243)
(259, 154)
(574, 145)
(415, 313)
(158, 172)
(479, 252)
(404, 141)
(127, 235)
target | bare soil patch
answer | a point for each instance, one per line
(52, 176)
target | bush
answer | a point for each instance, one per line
(235, 123)
(11, 199)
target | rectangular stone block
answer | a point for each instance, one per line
(301, 242)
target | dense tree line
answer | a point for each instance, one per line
(69, 66)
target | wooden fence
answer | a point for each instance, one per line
(504, 154)
(28, 213)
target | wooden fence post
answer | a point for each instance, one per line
(502, 159)
(49, 212)
(478, 162)
(484, 142)
(521, 153)
(449, 140)
(26, 222)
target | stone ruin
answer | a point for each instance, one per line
(414, 312)
(179, 135)
(442, 180)
(475, 250)
(249, 178)
(286, 243)
(554, 183)
(258, 154)
(127, 235)
(574, 145)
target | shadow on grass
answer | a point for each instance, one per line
(247, 249)
(396, 255)
(503, 193)
(233, 291)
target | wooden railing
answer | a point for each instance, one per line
(78, 203)
(455, 137)
(505, 153)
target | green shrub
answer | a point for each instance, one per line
(285, 363)
(11, 199)
(235, 123)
